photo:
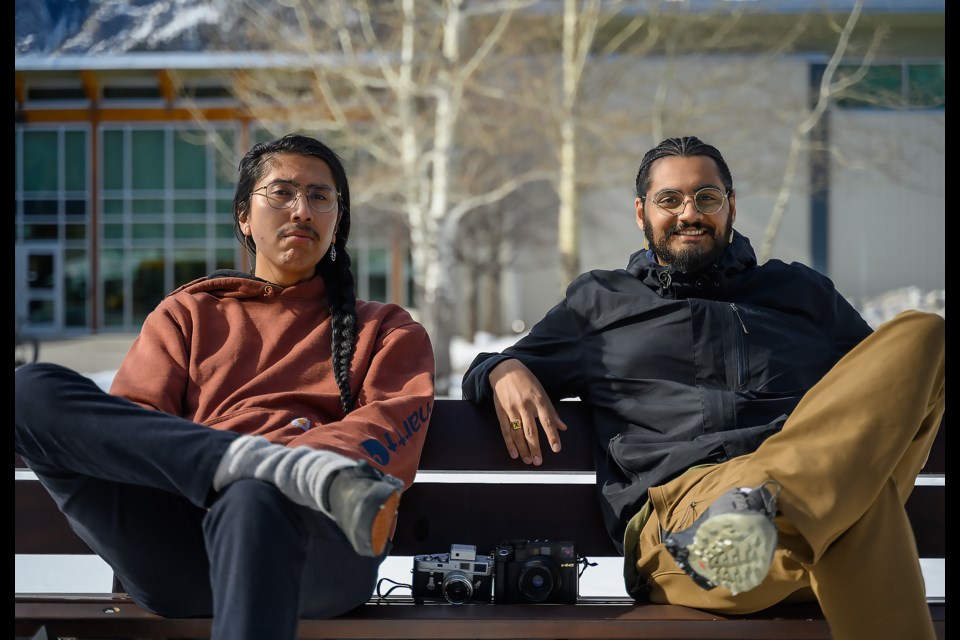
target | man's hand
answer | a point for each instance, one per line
(520, 400)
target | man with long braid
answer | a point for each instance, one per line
(250, 457)
(756, 441)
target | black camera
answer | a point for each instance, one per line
(536, 571)
(458, 577)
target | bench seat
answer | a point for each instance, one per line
(448, 505)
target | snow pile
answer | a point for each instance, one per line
(884, 307)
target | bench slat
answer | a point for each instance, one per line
(86, 617)
(463, 437)
(435, 515)
(432, 516)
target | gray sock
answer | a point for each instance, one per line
(300, 473)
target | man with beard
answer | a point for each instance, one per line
(756, 440)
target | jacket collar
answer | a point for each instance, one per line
(738, 258)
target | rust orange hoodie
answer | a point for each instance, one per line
(234, 352)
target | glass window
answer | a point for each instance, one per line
(189, 264)
(226, 232)
(881, 87)
(53, 169)
(76, 231)
(226, 259)
(894, 86)
(113, 232)
(148, 206)
(39, 207)
(40, 311)
(56, 94)
(183, 231)
(111, 271)
(189, 206)
(75, 160)
(377, 275)
(40, 232)
(75, 207)
(113, 208)
(148, 285)
(408, 279)
(40, 166)
(40, 271)
(131, 93)
(113, 159)
(189, 162)
(172, 204)
(75, 295)
(205, 92)
(927, 86)
(147, 231)
(226, 164)
(148, 153)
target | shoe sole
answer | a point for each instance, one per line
(733, 550)
(383, 523)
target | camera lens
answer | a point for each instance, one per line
(538, 579)
(456, 588)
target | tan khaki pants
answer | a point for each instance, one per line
(846, 460)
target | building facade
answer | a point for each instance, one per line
(122, 195)
(125, 167)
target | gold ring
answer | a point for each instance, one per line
(516, 425)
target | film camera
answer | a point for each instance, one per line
(458, 577)
(536, 571)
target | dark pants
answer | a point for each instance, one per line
(135, 485)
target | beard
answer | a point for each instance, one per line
(694, 258)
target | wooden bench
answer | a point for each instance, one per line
(450, 504)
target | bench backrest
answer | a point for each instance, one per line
(470, 492)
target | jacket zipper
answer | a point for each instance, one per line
(741, 349)
(617, 459)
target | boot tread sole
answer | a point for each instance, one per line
(734, 550)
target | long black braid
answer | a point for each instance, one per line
(343, 307)
(337, 277)
(683, 147)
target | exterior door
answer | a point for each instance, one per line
(39, 296)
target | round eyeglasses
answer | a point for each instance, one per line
(708, 201)
(283, 195)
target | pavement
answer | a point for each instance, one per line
(89, 355)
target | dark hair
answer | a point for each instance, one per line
(336, 274)
(683, 147)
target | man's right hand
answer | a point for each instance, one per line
(520, 401)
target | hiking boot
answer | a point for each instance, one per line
(363, 500)
(732, 543)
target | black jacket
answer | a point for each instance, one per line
(681, 370)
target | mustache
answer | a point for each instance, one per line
(685, 227)
(304, 228)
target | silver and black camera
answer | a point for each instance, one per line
(458, 577)
(542, 571)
